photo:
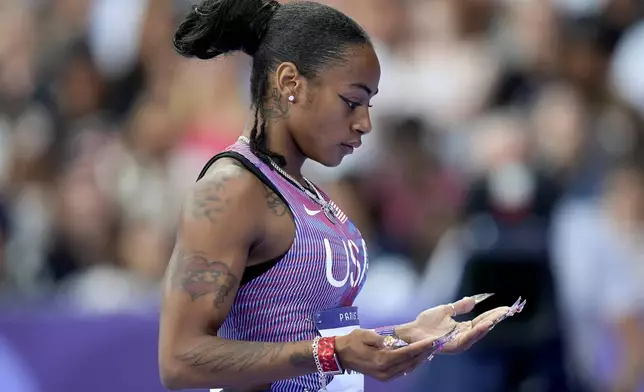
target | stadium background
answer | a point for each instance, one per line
(506, 156)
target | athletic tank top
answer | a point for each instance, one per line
(325, 268)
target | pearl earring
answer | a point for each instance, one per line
(291, 98)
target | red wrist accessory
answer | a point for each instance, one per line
(329, 363)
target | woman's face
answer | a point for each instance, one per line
(331, 113)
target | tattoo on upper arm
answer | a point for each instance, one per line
(275, 203)
(193, 273)
(226, 355)
(209, 197)
(276, 108)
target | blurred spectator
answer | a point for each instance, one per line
(526, 40)
(625, 73)
(565, 146)
(84, 223)
(501, 246)
(404, 204)
(598, 264)
(587, 44)
(414, 198)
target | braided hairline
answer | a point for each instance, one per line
(258, 135)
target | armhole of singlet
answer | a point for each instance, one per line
(253, 271)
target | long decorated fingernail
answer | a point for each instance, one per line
(478, 298)
(517, 307)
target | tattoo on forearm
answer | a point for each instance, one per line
(226, 355)
(275, 203)
(302, 358)
(276, 108)
(193, 273)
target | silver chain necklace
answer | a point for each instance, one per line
(316, 197)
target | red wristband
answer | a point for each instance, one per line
(326, 354)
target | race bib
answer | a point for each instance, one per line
(340, 322)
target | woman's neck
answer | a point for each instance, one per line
(279, 141)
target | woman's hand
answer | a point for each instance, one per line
(365, 351)
(435, 323)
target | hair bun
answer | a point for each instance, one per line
(215, 27)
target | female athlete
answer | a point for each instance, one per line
(265, 269)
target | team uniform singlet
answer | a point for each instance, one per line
(324, 270)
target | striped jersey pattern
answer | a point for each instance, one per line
(325, 268)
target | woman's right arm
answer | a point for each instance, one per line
(221, 219)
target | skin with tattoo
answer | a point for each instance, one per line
(199, 276)
(230, 220)
(209, 200)
(275, 203)
(276, 109)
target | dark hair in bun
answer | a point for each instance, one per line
(308, 34)
(218, 27)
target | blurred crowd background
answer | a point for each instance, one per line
(507, 156)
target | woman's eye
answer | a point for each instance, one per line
(352, 105)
